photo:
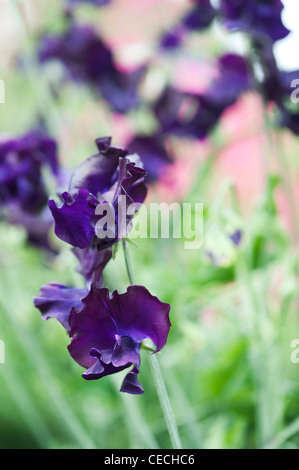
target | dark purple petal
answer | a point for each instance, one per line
(171, 40)
(73, 219)
(234, 79)
(200, 16)
(120, 89)
(107, 332)
(100, 369)
(140, 315)
(99, 172)
(259, 19)
(94, 2)
(131, 383)
(87, 59)
(82, 52)
(125, 352)
(195, 115)
(56, 301)
(21, 162)
(92, 263)
(152, 153)
(92, 327)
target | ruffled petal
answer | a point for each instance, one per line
(98, 173)
(57, 301)
(72, 220)
(141, 315)
(92, 327)
(131, 383)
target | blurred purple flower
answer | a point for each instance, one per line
(195, 115)
(89, 60)
(198, 18)
(258, 18)
(236, 237)
(151, 150)
(107, 333)
(23, 191)
(94, 2)
(276, 86)
(172, 39)
(106, 178)
(21, 163)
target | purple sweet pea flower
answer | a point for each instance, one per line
(23, 192)
(236, 237)
(261, 19)
(276, 86)
(21, 163)
(93, 2)
(107, 333)
(106, 181)
(198, 18)
(172, 39)
(195, 115)
(88, 60)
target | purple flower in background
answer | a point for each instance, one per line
(89, 60)
(107, 180)
(198, 18)
(107, 333)
(94, 2)
(23, 191)
(21, 163)
(258, 18)
(152, 152)
(236, 237)
(276, 86)
(172, 39)
(195, 115)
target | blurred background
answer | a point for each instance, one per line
(234, 302)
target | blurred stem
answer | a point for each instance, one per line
(284, 169)
(284, 435)
(128, 262)
(40, 88)
(157, 374)
(39, 363)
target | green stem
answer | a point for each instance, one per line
(165, 403)
(157, 374)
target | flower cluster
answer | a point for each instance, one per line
(195, 115)
(87, 59)
(23, 191)
(106, 329)
(261, 22)
(260, 19)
